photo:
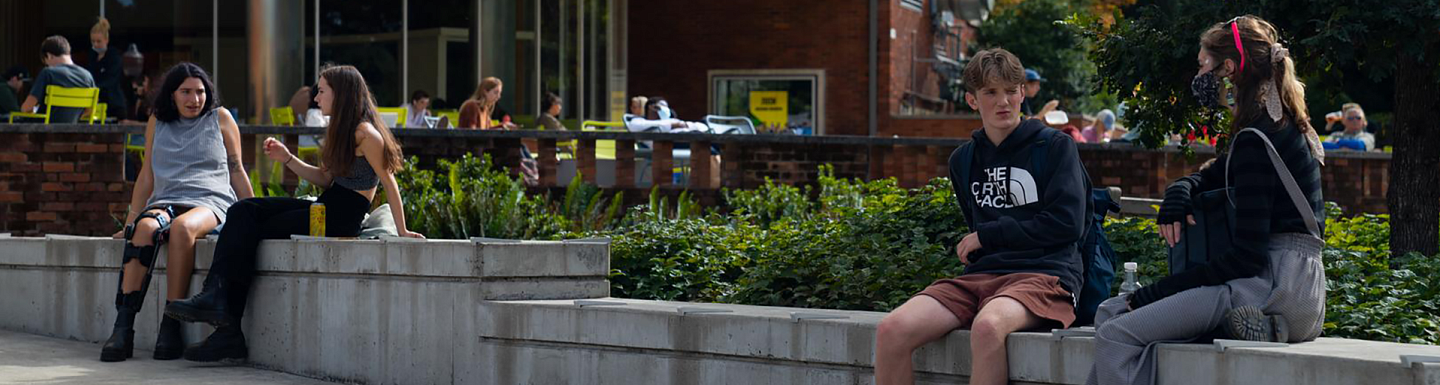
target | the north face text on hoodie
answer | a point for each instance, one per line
(1005, 187)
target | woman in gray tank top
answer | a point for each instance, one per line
(359, 156)
(190, 177)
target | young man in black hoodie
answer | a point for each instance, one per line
(1026, 205)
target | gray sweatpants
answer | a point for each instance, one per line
(1293, 286)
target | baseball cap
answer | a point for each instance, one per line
(1032, 76)
(1056, 118)
(16, 71)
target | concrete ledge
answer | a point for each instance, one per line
(767, 344)
(364, 311)
(490, 312)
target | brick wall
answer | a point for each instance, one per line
(62, 183)
(914, 38)
(72, 183)
(673, 45)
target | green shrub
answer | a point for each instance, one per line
(860, 245)
(470, 197)
(867, 245)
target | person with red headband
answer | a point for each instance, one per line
(1270, 285)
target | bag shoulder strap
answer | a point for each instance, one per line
(1291, 187)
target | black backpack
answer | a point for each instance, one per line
(1096, 254)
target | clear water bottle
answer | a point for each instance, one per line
(1130, 285)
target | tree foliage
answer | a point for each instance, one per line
(1029, 29)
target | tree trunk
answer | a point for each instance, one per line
(1415, 169)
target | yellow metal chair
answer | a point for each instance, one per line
(57, 96)
(400, 113)
(604, 149)
(282, 116)
(135, 143)
(99, 113)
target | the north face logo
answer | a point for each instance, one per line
(1005, 187)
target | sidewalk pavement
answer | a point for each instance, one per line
(33, 359)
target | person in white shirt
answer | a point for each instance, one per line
(417, 109)
(659, 118)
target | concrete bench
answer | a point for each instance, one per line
(689, 343)
(506, 312)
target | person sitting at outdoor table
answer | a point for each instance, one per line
(1099, 132)
(1337, 117)
(192, 176)
(1032, 89)
(1059, 120)
(660, 118)
(550, 112)
(475, 115)
(475, 112)
(142, 87)
(15, 78)
(1354, 136)
(417, 109)
(637, 107)
(61, 71)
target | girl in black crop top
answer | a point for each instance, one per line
(359, 156)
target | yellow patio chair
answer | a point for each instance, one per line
(604, 149)
(282, 116)
(99, 111)
(400, 114)
(57, 96)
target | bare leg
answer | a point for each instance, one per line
(1000, 317)
(144, 236)
(184, 230)
(920, 320)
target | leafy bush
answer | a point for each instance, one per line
(867, 245)
(470, 197)
(859, 245)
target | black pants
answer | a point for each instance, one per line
(252, 220)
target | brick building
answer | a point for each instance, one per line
(675, 47)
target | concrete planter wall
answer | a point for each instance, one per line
(507, 312)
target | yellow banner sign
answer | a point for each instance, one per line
(771, 107)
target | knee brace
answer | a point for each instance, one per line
(133, 300)
(146, 254)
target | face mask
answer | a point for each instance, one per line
(1206, 88)
(664, 113)
(100, 50)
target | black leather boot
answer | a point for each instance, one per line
(170, 343)
(227, 342)
(121, 344)
(208, 306)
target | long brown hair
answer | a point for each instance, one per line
(486, 106)
(351, 104)
(1257, 36)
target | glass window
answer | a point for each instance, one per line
(791, 100)
(365, 35)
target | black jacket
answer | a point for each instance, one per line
(1262, 206)
(1028, 221)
